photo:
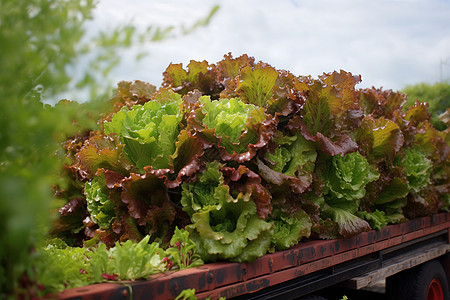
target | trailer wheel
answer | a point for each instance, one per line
(425, 282)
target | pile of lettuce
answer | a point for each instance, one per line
(248, 160)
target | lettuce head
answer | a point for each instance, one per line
(347, 176)
(149, 131)
(225, 221)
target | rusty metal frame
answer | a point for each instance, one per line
(235, 279)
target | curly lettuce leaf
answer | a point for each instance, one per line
(186, 159)
(68, 224)
(207, 192)
(198, 76)
(237, 128)
(229, 118)
(149, 131)
(343, 214)
(255, 85)
(100, 207)
(330, 112)
(417, 113)
(347, 176)
(376, 219)
(58, 267)
(131, 260)
(142, 204)
(379, 138)
(230, 67)
(225, 221)
(396, 189)
(101, 151)
(130, 93)
(148, 202)
(422, 204)
(287, 98)
(434, 144)
(394, 210)
(233, 233)
(320, 104)
(331, 104)
(379, 102)
(278, 91)
(417, 169)
(290, 228)
(341, 143)
(345, 82)
(291, 163)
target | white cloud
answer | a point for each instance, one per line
(390, 43)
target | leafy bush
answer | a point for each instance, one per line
(436, 95)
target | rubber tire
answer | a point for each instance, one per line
(445, 262)
(413, 284)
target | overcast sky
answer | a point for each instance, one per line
(390, 43)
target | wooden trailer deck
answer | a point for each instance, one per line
(305, 268)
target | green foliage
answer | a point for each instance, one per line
(436, 95)
(148, 131)
(59, 266)
(40, 43)
(183, 250)
(270, 159)
(290, 228)
(233, 121)
(417, 169)
(187, 294)
(100, 207)
(224, 226)
(376, 219)
(258, 159)
(344, 215)
(291, 164)
(381, 138)
(256, 84)
(131, 260)
(346, 176)
(32, 49)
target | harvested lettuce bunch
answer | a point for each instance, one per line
(345, 180)
(149, 131)
(347, 176)
(291, 163)
(237, 128)
(100, 207)
(228, 117)
(417, 169)
(290, 228)
(225, 222)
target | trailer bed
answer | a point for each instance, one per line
(305, 268)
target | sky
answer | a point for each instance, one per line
(390, 43)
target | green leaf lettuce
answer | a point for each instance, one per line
(225, 223)
(149, 131)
